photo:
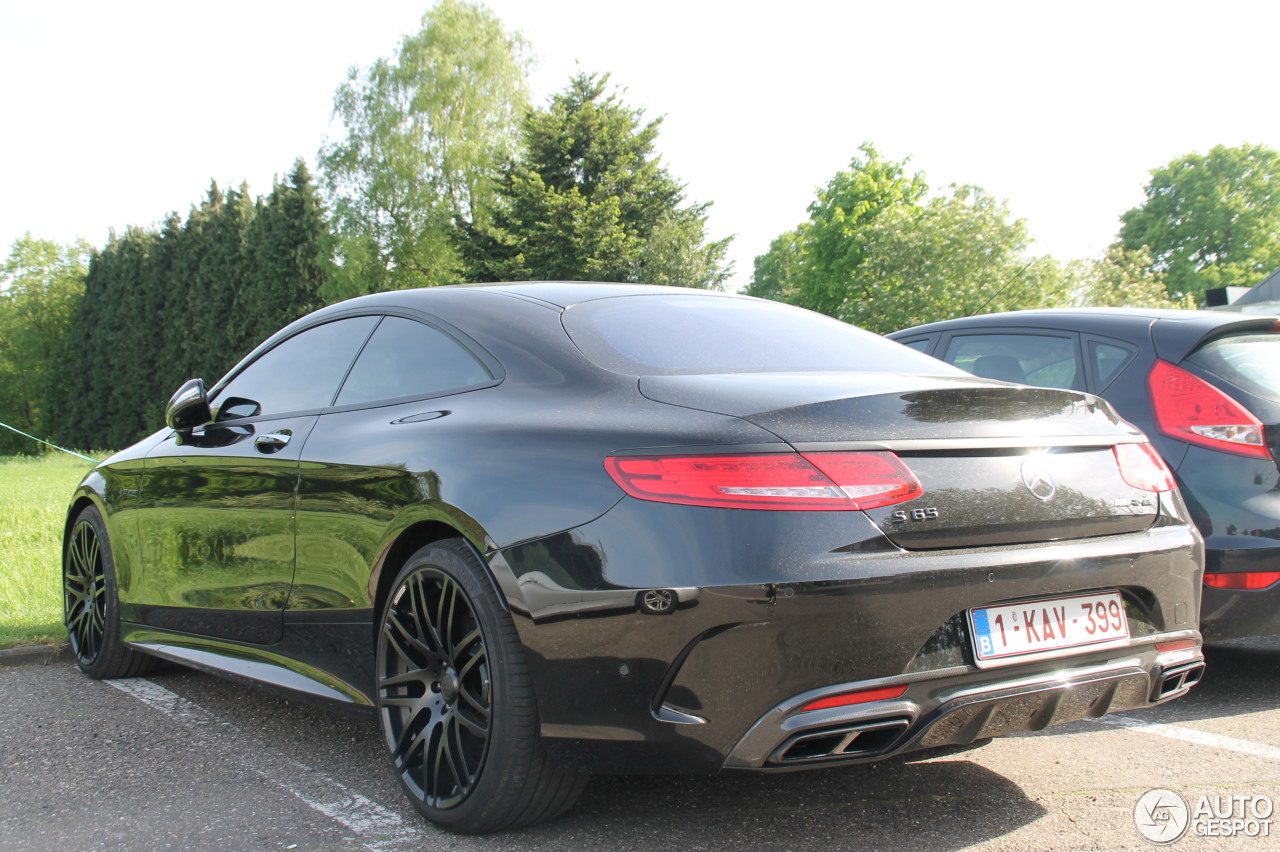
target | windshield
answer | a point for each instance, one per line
(680, 334)
(1251, 362)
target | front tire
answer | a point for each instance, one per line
(91, 606)
(456, 703)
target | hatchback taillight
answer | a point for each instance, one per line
(1246, 581)
(1142, 467)
(1190, 409)
(780, 481)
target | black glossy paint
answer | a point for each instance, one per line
(1233, 499)
(267, 559)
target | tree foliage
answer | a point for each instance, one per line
(190, 299)
(425, 134)
(877, 253)
(41, 284)
(1121, 279)
(587, 198)
(1210, 220)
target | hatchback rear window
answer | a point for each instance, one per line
(679, 334)
(1251, 362)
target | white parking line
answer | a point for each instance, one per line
(1190, 735)
(373, 825)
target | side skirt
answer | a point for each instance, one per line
(329, 664)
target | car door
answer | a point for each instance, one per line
(216, 509)
(402, 409)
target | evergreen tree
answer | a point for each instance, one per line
(589, 200)
(287, 251)
(189, 300)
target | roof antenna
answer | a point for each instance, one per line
(1003, 287)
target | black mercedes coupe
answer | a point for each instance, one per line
(545, 530)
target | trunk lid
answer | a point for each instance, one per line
(999, 464)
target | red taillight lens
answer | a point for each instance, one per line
(1142, 467)
(869, 480)
(1190, 409)
(849, 698)
(784, 481)
(1248, 581)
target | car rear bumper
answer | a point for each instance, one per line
(964, 708)
(764, 616)
(1235, 614)
(1238, 613)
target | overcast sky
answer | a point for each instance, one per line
(114, 114)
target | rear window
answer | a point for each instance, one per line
(680, 334)
(1251, 362)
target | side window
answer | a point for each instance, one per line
(300, 374)
(923, 344)
(407, 358)
(1030, 359)
(1107, 359)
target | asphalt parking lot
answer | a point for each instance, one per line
(187, 761)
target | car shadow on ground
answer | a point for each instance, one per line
(898, 803)
(893, 804)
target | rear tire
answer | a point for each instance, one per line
(455, 700)
(91, 606)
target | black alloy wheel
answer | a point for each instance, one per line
(455, 703)
(89, 604)
(435, 688)
(84, 587)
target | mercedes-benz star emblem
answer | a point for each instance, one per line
(1038, 479)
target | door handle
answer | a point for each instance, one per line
(273, 442)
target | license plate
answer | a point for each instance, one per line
(1013, 633)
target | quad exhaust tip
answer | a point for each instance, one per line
(1176, 681)
(841, 743)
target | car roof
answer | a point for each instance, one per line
(559, 294)
(1174, 333)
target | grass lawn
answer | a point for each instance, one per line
(34, 492)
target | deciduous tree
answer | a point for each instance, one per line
(877, 253)
(41, 284)
(1210, 220)
(424, 135)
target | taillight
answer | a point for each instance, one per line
(782, 481)
(1248, 581)
(1190, 409)
(1142, 467)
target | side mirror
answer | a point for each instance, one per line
(189, 407)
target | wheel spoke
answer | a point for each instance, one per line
(418, 676)
(438, 751)
(454, 754)
(476, 659)
(411, 739)
(476, 718)
(444, 618)
(402, 642)
(422, 615)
